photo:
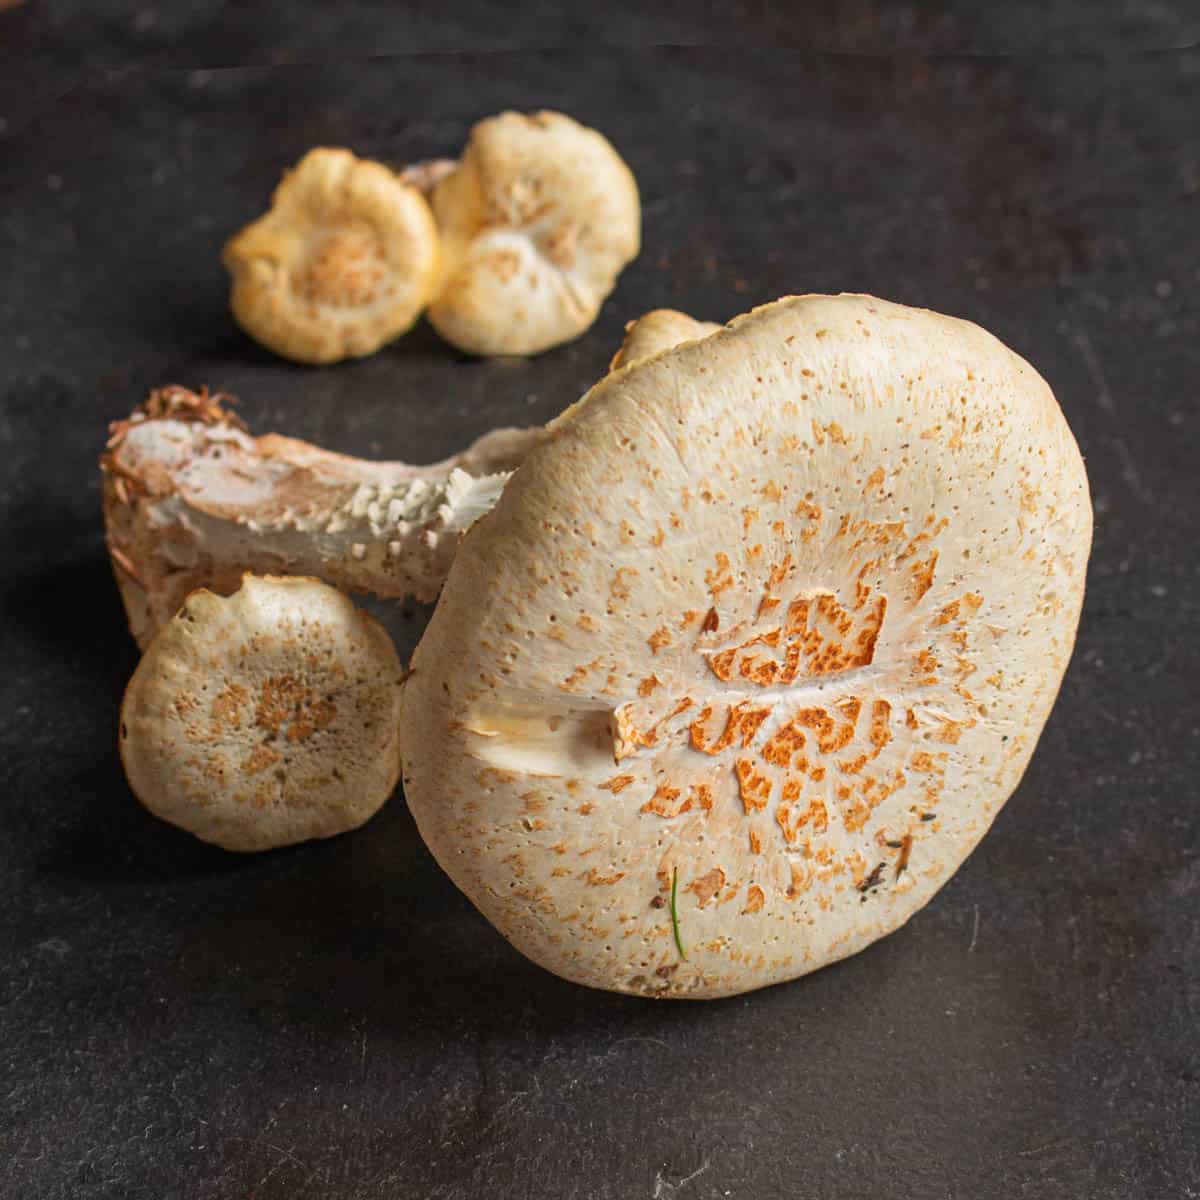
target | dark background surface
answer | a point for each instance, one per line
(336, 1021)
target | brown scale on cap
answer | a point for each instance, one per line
(807, 621)
(192, 500)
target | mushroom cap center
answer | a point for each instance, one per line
(347, 268)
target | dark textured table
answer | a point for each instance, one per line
(336, 1020)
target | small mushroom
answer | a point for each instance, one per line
(749, 654)
(536, 223)
(658, 330)
(344, 261)
(264, 718)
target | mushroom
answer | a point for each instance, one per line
(344, 261)
(264, 718)
(658, 330)
(192, 500)
(750, 652)
(536, 223)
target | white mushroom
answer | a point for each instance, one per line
(191, 500)
(533, 225)
(344, 261)
(752, 650)
(536, 223)
(264, 718)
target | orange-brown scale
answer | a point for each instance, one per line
(719, 578)
(786, 741)
(284, 699)
(618, 783)
(741, 724)
(816, 814)
(801, 880)
(666, 802)
(967, 605)
(597, 879)
(658, 639)
(226, 707)
(753, 786)
(707, 885)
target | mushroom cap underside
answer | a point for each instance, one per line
(749, 655)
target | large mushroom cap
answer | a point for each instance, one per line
(748, 656)
(536, 223)
(265, 718)
(344, 261)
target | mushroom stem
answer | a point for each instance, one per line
(193, 500)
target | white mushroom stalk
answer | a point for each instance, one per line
(193, 500)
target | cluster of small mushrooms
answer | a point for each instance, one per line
(510, 250)
(733, 663)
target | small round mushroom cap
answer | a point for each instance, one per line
(750, 653)
(344, 261)
(536, 224)
(658, 330)
(265, 718)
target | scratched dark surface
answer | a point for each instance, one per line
(336, 1021)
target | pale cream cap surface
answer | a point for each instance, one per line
(536, 223)
(265, 718)
(344, 261)
(772, 624)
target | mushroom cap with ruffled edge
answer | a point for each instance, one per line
(344, 261)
